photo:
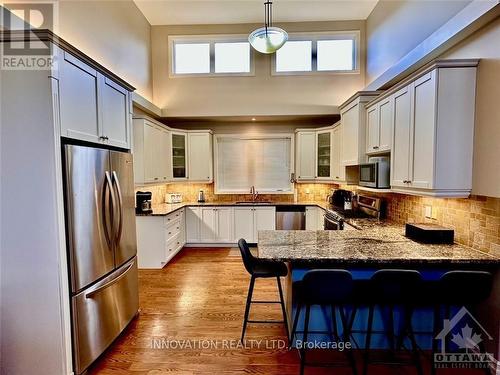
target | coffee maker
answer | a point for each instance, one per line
(143, 202)
(341, 199)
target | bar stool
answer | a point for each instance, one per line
(455, 289)
(394, 288)
(259, 268)
(324, 287)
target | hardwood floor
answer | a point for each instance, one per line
(198, 297)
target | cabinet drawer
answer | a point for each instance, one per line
(177, 215)
(173, 245)
(173, 229)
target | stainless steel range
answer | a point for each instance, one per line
(364, 207)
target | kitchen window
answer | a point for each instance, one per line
(318, 53)
(261, 161)
(212, 56)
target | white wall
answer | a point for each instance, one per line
(114, 33)
(484, 44)
(262, 94)
(395, 27)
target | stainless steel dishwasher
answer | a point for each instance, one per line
(290, 217)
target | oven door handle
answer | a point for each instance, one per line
(330, 221)
(338, 224)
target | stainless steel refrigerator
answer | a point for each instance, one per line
(102, 247)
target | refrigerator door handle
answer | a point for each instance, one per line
(107, 210)
(109, 283)
(120, 208)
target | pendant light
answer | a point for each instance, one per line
(268, 39)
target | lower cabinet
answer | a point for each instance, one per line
(314, 218)
(216, 224)
(159, 238)
(249, 220)
(219, 224)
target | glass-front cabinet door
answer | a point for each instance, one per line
(179, 154)
(324, 154)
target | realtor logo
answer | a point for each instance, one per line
(468, 336)
(27, 51)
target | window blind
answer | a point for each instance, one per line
(260, 162)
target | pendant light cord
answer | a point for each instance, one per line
(268, 14)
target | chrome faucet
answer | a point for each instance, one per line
(254, 193)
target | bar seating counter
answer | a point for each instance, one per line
(375, 245)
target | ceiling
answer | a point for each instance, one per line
(185, 12)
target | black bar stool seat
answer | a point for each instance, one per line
(264, 269)
(456, 289)
(324, 287)
(390, 288)
(259, 268)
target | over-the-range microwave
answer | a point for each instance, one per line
(376, 173)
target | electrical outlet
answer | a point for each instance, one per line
(434, 213)
(428, 212)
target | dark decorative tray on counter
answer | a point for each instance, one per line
(429, 233)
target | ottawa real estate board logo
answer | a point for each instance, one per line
(462, 343)
(22, 48)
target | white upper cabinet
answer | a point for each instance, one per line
(372, 129)
(353, 117)
(379, 123)
(115, 113)
(306, 155)
(402, 127)
(318, 154)
(93, 107)
(200, 159)
(386, 118)
(179, 155)
(433, 130)
(151, 152)
(78, 100)
(338, 170)
(324, 155)
(422, 137)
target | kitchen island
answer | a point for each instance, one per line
(376, 246)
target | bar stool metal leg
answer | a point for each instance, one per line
(368, 338)
(435, 330)
(247, 307)
(304, 340)
(346, 334)
(295, 323)
(408, 312)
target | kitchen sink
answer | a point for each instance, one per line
(255, 203)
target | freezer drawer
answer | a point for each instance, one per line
(101, 312)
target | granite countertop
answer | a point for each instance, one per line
(167, 208)
(377, 243)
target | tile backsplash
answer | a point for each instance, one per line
(305, 193)
(476, 220)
